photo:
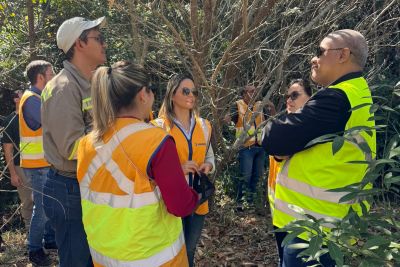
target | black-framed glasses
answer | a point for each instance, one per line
(100, 39)
(186, 91)
(320, 51)
(293, 96)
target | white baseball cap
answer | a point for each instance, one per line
(71, 29)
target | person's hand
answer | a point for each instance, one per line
(16, 180)
(206, 167)
(190, 166)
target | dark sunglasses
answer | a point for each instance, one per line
(100, 39)
(186, 91)
(293, 96)
(320, 51)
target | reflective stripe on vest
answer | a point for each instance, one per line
(155, 260)
(87, 104)
(244, 116)
(304, 180)
(133, 227)
(31, 141)
(201, 135)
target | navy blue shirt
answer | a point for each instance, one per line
(31, 110)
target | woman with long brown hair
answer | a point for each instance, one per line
(179, 116)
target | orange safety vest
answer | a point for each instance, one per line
(123, 213)
(31, 141)
(244, 115)
(274, 167)
(194, 149)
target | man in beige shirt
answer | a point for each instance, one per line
(66, 118)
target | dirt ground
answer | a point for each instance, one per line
(229, 238)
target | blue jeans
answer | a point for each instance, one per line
(279, 236)
(192, 226)
(251, 163)
(290, 256)
(64, 210)
(40, 227)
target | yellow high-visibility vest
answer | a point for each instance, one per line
(123, 213)
(304, 179)
(31, 141)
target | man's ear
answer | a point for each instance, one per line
(78, 44)
(345, 55)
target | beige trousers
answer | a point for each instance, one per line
(25, 195)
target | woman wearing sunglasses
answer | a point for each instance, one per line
(296, 96)
(132, 186)
(179, 116)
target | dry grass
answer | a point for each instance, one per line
(229, 238)
(16, 252)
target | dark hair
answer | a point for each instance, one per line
(35, 68)
(83, 37)
(304, 83)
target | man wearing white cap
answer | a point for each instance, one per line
(66, 105)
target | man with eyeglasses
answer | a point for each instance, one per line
(66, 106)
(308, 172)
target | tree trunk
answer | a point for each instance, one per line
(31, 30)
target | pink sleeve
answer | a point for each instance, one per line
(166, 170)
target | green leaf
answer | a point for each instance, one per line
(387, 108)
(360, 106)
(376, 118)
(321, 139)
(289, 237)
(375, 242)
(384, 161)
(335, 253)
(394, 152)
(299, 245)
(364, 147)
(315, 245)
(349, 197)
(373, 108)
(337, 144)
(392, 180)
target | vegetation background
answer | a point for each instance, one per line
(224, 44)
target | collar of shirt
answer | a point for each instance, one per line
(71, 68)
(35, 90)
(180, 125)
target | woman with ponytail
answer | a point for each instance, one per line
(132, 186)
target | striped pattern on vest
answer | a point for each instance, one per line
(31, 141)
(197, 148)
(125, 218)
(304, 180)
(244, 116)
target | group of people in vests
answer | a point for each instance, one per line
(124, 189)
